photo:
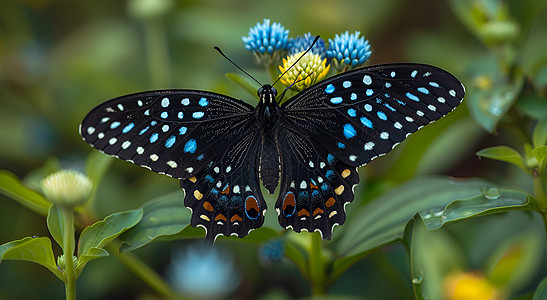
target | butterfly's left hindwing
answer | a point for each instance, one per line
(175, 132)
(225, 198)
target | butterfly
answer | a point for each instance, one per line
(310, 145)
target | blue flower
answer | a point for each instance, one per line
(272, 251)
(348, 51)
(203, 272)
(302, 43)
(267, 41)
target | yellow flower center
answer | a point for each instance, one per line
(308, 70)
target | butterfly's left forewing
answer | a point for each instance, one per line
(173, 132)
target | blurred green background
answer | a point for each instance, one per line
(59, 59)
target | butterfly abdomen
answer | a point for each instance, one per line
(269, 163)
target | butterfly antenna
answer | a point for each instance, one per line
(233, 63)
(308, 50)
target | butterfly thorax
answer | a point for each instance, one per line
(269, 113)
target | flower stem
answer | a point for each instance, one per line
(144, 272)
(68, 251)
(156, 53)
(316, 266)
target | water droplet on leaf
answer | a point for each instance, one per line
(491, 193)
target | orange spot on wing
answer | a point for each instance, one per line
(236, 218)
(313, 186)
(330, 202)
(207, 206)
(193, 179)
(303, 212)
(318, 211)
(289, 200)
(220, 217)
(226, 191)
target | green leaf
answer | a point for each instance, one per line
(242, 83)
(514, 263)
(55, 224)
(540, 133)
(492, 92)
(36, 250)
(534, 106)
(433, 256)
(383, 220)
(540, 153)
(11, 187)
(492, 200)
(451, 141)
(416, 153)
(541, 290)
(163, 216)
(92, 254)
(504, 153)
(101, 233)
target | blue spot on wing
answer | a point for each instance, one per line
(198, 115)
(352, 112)
(163, 115)
(366, 122)
(330, 159)
(329, 89)
(336, 100)
(349, 131)
(170, 141)
(412, 97)
(190, 146)
(144, 130)
(128, 127)
(153, 137)
(203, 102)
(114, 125)
(182, 130)
(209, 178)
(381, 115)
(423, 90)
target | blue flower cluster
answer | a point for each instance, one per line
(269, 42)
(302, 43)
(271, 252)
(349, 49)
(266, 41)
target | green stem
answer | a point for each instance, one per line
(540, 180)
(68, 251)
(316, 266)
(144, 272)
(156, 53)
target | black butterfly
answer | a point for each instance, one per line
(220, 146)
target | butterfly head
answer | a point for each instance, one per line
(267, 94)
